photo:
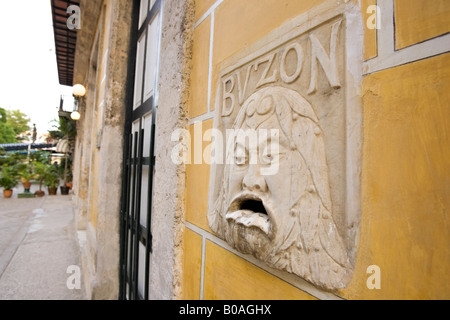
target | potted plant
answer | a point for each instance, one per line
(69, 182)
(51, 179)
(64, 175)
(8, 181)
(40, 170)
(65, 190)
(26, 173)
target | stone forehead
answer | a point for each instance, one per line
(274, 107)
(260, 107)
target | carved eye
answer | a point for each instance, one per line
(267, 158)
(270, 153)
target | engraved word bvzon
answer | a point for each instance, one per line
(271, 72)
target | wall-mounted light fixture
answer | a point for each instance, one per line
(75, 115)
(78, 92)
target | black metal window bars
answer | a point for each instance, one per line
(132, 232)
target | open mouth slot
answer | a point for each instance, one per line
(248, 210)
(253, 205)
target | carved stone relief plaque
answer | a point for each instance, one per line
(291, 198)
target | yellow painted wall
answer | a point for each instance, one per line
(200, 65)
(370, 33)
(201, 6)
(197, 183)
(404, 225)
(420, 20)
(229, 277)
(192, 249)
(406, 182)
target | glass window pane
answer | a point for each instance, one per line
(147, 124)
(144, 196)
(139, 72)
(152, 54)
(143, 12)
(152, 2)
(134, 128)
(141, 270)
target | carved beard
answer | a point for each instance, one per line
(308, 245)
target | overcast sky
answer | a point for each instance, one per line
(28, 72)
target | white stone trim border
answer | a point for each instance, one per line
(390, 57)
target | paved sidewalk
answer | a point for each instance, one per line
(37, 245)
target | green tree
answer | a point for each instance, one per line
(18, 121)
(64, 128)
(7, 133)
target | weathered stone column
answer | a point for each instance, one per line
(106, 281)
(169, 179)
(84, 73)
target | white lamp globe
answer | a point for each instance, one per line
(79, 90)
(75, 115)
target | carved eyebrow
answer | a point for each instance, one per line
(282, 141)
(263, 143)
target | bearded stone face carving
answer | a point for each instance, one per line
(284, 217)
(280, 194)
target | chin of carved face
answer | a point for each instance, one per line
(251, 210)
(251, 225)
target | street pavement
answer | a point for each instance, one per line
(39, 252)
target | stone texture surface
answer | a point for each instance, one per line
(89, 18)
(99, 209)
(101, 64)
(106, 284)
(169, 179)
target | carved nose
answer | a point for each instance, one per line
(253, 180)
